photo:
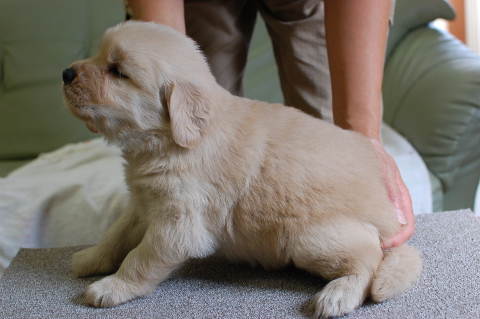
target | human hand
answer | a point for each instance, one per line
(399, 196)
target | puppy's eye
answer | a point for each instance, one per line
(116, 72)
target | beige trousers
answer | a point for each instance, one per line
(223, 29)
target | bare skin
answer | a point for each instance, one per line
(356, 39)
(169, 12)
(356, 34)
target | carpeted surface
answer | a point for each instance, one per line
(39, 284)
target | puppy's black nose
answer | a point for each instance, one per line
(69, 75)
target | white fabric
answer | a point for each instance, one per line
(412, 168)
(64, 198)
(72, 195)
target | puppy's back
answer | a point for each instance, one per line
(313, 169)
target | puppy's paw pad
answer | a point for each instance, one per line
(110, 292)
(89, 262)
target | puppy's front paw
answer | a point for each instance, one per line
(112, 291)
(336, 299)
(90, 262)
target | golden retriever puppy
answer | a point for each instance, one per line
(209, 172)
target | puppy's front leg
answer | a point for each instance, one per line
(170, 239)
(118, 241)
(138, 276)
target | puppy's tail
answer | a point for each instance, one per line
(398, 271)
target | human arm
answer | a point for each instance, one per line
(169, 12)
(356, 33)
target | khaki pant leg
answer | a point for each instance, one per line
(223, 29)
(298, 36)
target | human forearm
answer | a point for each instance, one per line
(356, 34)
(169, 12)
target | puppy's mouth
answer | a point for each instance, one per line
(82, 87)
(83, 94)
(76, 96)
(80, 108)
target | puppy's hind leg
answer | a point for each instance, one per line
(398, 271)
(105, 257)
(346, 253)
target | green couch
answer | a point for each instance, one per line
(38, 40)
(431, 85)
(432, 97)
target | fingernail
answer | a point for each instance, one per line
(401, 217)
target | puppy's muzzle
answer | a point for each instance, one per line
(69, 75)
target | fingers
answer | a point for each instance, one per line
(407, 229)
(399, 196)
(400, 238)
(392, 178)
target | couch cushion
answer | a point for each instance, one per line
(431, 96)
(38, 39)
(410, 14)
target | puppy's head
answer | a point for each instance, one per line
(146, 80)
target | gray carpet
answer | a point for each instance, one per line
(40, 284)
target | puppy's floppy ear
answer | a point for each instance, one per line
(189, 112)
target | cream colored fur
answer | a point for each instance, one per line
(211, 173)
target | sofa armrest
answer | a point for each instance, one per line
(431, 94)
(412, 14)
